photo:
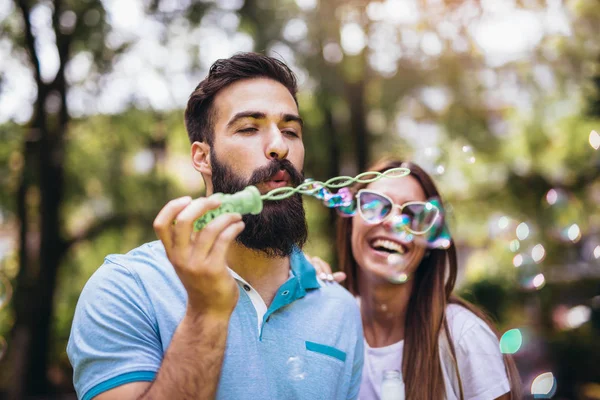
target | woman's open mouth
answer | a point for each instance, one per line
(385, 247)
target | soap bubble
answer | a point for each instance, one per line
(502, 229)
(529, 274)
(395, 271)
(295, 367)
(564, 211)
(544, 386)
(401, 277)
(396, 259)
(434, 160)
(501, 226)
(467, 154)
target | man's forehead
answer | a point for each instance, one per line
(258, 94)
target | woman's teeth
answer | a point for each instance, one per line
(387, 245)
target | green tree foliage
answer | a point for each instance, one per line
(508, 143)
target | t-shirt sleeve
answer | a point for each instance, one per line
(481, 364)
(114, 337)
(357, 366)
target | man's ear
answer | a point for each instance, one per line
(201, 158)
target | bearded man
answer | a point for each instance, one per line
(234, 311)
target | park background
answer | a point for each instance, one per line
(498, 99)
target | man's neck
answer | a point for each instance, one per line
(264, 274)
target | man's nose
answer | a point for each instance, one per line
(277, 147)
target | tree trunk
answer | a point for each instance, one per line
(594, 101)
(41, 252)
(332, 167)
(41, 247)
(355, 93)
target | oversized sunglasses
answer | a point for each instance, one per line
(417, 217)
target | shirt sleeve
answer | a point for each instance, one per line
(481, 364)
(114, 337)
(357, 366)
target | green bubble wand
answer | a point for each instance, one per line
(250, 201)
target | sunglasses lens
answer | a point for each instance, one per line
(373, 207)
(422, 216)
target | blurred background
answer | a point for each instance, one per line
(498, 99)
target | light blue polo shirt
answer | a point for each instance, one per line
(307, 345)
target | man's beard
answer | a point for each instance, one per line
(281, 225)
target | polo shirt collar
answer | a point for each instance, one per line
(303, 277)
(303, 271)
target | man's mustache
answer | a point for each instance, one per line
(266, 173)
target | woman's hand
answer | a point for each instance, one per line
(324, 270)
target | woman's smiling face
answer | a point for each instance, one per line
(372, 244)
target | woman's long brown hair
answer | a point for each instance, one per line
(434, 282)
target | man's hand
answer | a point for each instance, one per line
(199, 258)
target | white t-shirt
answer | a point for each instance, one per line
(478, 355)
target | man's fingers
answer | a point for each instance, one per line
(184, 221)
(164, 220)
(210, 235)
(224, 240)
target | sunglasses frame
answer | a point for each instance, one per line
(398, 206)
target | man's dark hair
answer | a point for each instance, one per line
(200, 113)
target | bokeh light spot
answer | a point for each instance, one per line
(332, 53)
(538, 281)
(514, 245)
(511, 341)
(522, 231)
(551, 196)
(578, 316)
(543, 386)
(518, 260)
(354, 39)
(503, 222)
(538, 253)
(574, 233)
(595, 140)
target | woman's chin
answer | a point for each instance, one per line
(388, 273)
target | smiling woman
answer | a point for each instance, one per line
(441, 346)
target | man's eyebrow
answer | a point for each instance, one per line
(262, 115)
(246, 114)
(292, 118)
